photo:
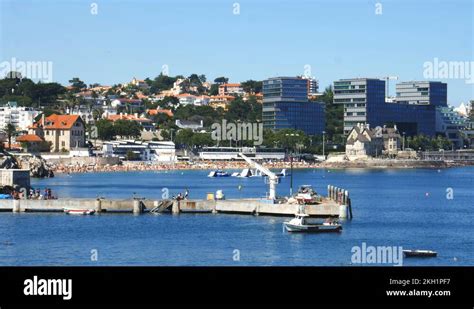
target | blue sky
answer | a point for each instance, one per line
(338, 39)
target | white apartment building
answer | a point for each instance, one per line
(21, 117)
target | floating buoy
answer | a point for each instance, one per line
(427, 194)
(455, 259)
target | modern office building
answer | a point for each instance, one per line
(313, 85)
(359, 95)
(286, 106)
(422, 93)
(412, 110)
(452, 124)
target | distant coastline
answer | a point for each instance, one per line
(237, 165)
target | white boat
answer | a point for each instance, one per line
(420, 253)
(283, 173)
(306, 195)
(218, 173)
(79, 211)
(245, 173)
(299, 224)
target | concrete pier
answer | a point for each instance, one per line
(328, 207)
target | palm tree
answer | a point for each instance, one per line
(10, 129)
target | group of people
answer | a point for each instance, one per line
(33, 194)
(180, 196)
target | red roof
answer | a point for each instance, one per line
(58, 122)
(29, 138)
(160, 111)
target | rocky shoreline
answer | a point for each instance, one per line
(39, 168)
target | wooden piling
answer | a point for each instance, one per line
(349, 204)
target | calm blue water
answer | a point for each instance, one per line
(405, 208)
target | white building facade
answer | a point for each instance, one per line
(19, 116)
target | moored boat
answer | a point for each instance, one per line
(283, 173)
(299, 224)
(420, 253)
(79, 211)
(306, 195)
(218, 173)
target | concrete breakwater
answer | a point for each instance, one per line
(327, 208)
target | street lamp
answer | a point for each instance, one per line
(324, 133)
(403, 147)
(291, 166)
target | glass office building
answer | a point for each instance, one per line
(422, 93)
(359, 96)
(286, 106)
(414, 110)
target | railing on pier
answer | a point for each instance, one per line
(340, 196)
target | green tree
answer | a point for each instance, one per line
(202, 139)
(77, 83)
(214, 89)
(425, 143)
(334, 115)
(169, 102)
(10, 129)
(252, 86)
(248, 111)
(105, 129)
(184, 137)
(126, 128)
(221, 80)
(161, 82)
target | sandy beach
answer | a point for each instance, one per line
(239, 165)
